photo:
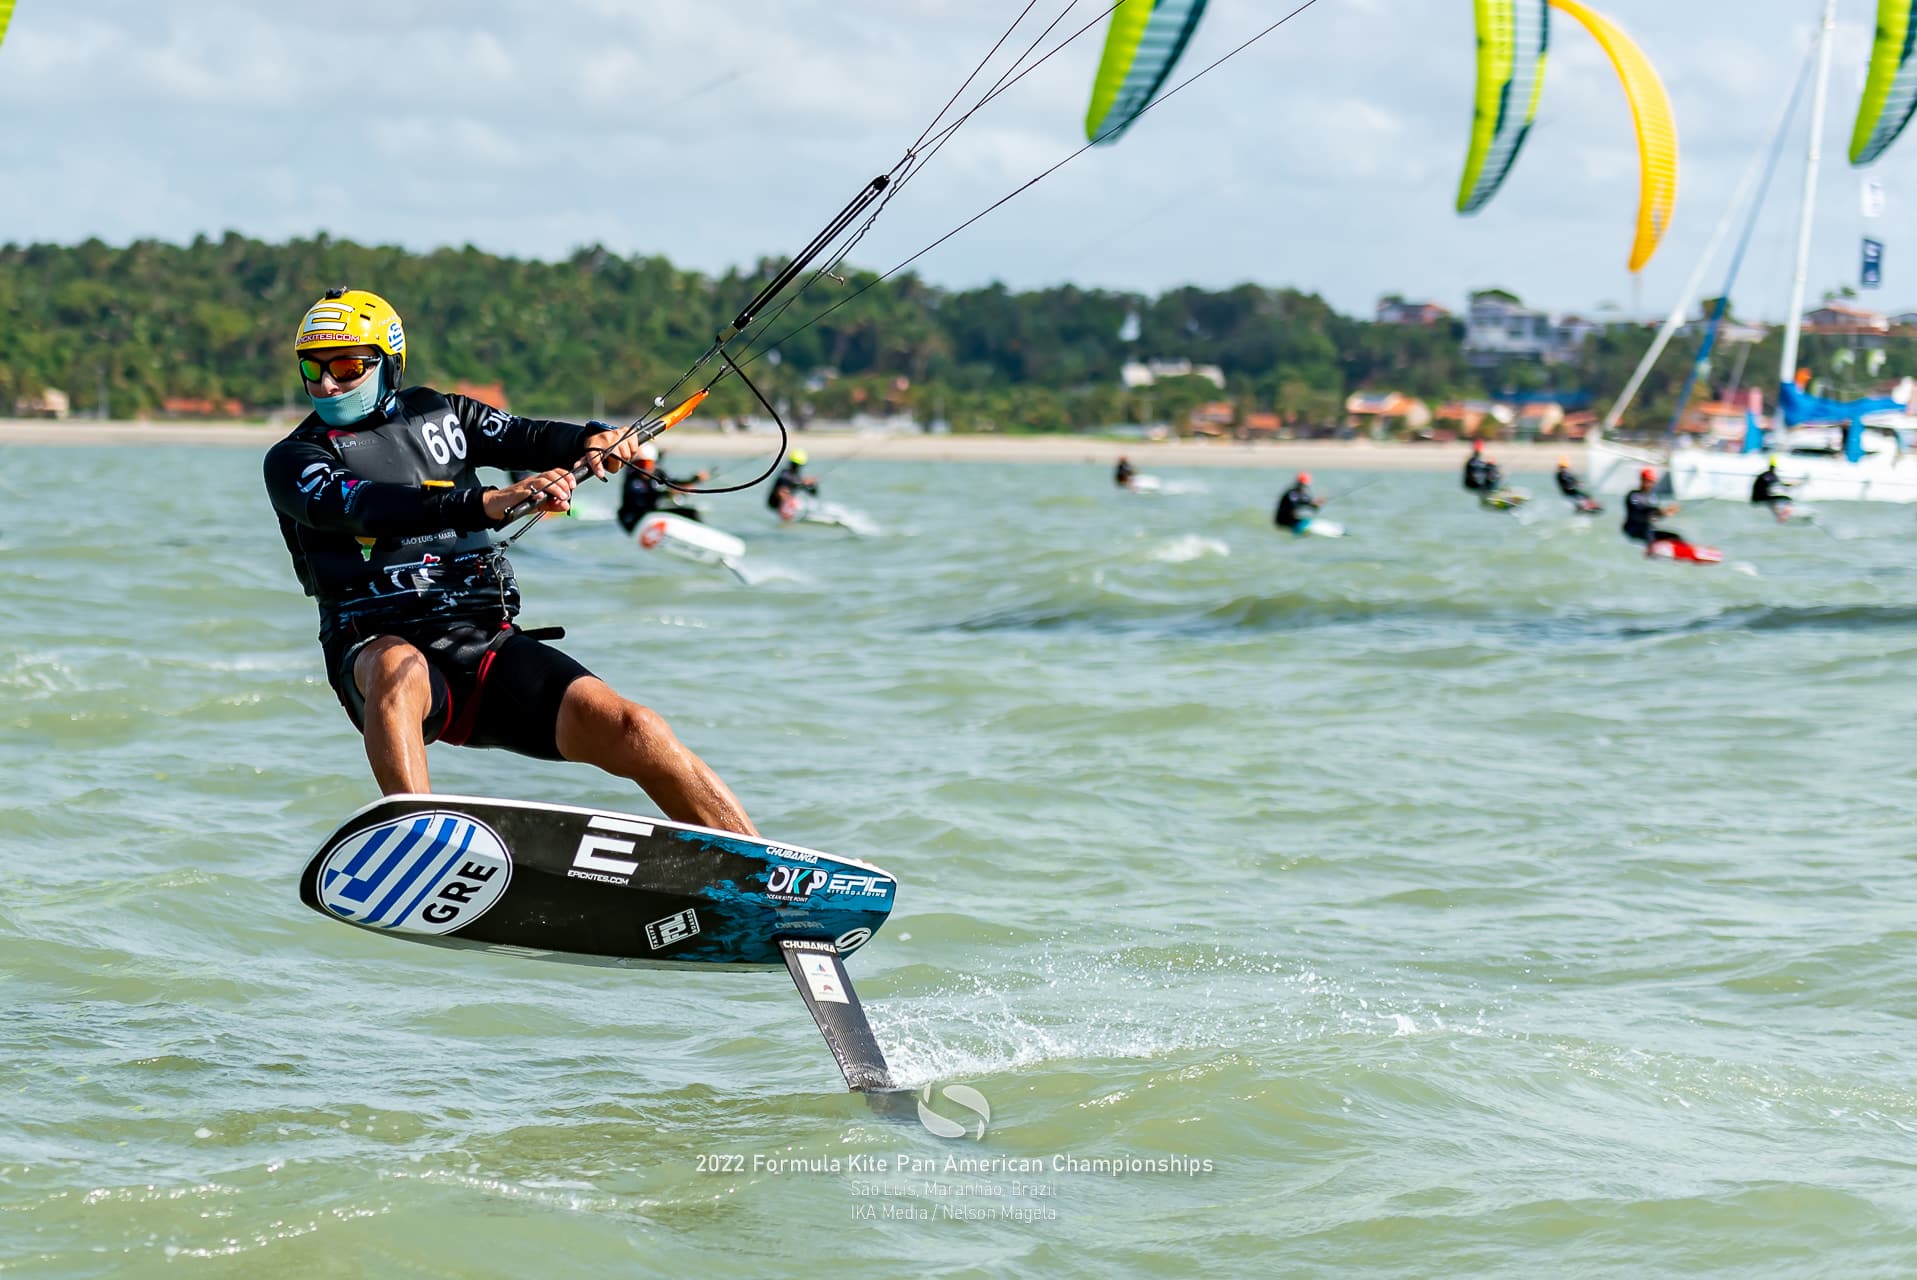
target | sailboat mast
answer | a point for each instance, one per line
(1794, 323)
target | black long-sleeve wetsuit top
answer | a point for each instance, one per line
(791, 480)
(1641, 511)
(384, 519)
(643, 492)
(1568, 483)
(1476, 471)
(1296, 504)
(1768, 487)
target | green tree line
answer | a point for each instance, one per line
(214, 319)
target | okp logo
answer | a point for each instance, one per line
(962, 1096)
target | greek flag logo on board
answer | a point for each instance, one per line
(423, 873)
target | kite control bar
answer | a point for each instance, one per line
(644, 431)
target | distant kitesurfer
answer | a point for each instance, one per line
(1771, 489)
(647, 488)
(789, 484)
(1297, 505)
(389, 527)
(1572, 488)
(1642, 510)
(1122, 475)
(1493, 494)
(1477, 470)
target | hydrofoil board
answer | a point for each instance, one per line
(688, 539)
(596, 887)
(1666, 549)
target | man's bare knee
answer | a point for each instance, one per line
(389, 665)
(600, 727)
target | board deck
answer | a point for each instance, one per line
(587, 886)
(688, 539)
(1665, 549)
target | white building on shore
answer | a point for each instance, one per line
(1135, 374)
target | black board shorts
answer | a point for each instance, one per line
(492, 686)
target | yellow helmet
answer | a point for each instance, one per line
(1772, 460)
(798, 457)
(352, 318)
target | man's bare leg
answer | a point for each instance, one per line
(393, 677)
(597, 726)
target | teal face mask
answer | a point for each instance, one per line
(348, 407)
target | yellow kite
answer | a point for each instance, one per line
(1513, 36)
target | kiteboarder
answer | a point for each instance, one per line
(389, 527)
(1770, 489)
(1494, 495)
(1297, 505)
(1122, 475)
(789, 484)
(1478, 470)
(647, 486)
(1572, 488)
(1642, 510)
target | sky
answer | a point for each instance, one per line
(1325, 157)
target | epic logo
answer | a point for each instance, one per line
(863, 886)
(590, 862)
(794, 882)
(423, 873)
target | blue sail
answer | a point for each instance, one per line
(1798, 407)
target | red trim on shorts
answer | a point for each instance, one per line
(460, 727)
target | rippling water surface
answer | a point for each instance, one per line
(1472, 895)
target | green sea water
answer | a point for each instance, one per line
(1468, 896)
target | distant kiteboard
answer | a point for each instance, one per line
(1666, 549)
(812, 511)
(688, 539)
(589, 886)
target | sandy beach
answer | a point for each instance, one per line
(1361, 455)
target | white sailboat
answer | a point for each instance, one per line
(1812, 460)
(1858, 451)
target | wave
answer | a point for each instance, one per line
(1835, 617)
(1099, 608)
(1190, 547)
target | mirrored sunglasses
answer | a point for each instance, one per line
(343, 368)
